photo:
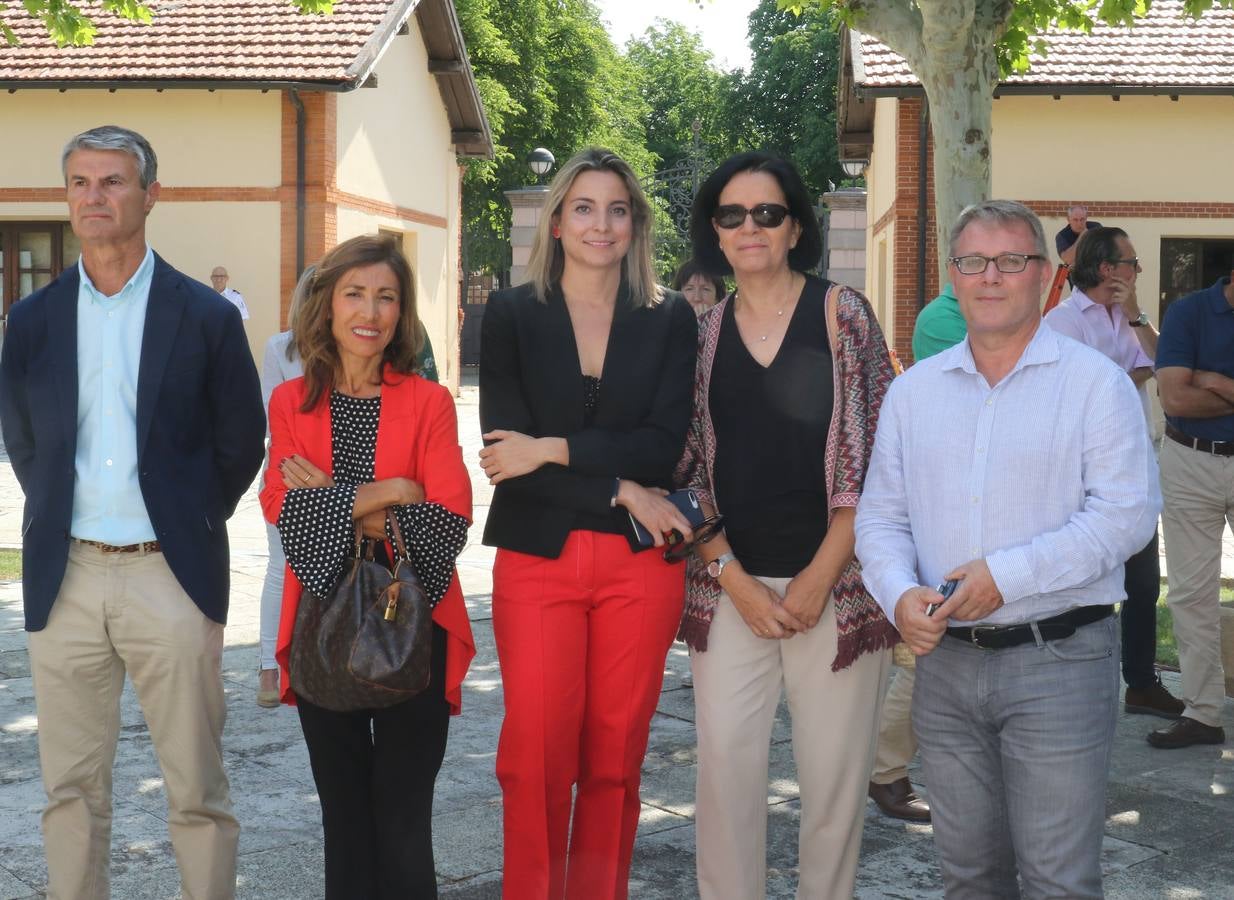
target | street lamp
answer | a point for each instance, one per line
(853, 168)
(540, 161)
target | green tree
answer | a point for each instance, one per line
(681, 85)
(958, 49)
(68, 25)
(786, 103)
(550, 76)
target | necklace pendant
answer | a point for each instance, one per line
(780, 312)
(763, 338)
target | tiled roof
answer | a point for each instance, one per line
(1164, 49)
(204, 40)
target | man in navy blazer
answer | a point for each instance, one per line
(133, 418)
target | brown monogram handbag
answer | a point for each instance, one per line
(366, 644)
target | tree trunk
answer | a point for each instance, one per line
(961, 109)
(949, 46)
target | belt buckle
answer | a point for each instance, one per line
(979, 630)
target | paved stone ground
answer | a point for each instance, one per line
(1169, 829)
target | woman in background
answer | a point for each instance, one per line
(700, 288)
(279, 363)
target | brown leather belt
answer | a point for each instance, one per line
(143, 547)
(1216, 448)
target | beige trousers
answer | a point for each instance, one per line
(896, 741)
(119, 612)
(1198, 493)
(737, 686)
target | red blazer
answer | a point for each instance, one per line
(417, 438)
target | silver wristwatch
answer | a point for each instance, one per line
(716, 567)
(1139, 321)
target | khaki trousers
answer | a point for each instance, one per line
(896, 741)
(119, 612)
(737, 686)
(1198, 493)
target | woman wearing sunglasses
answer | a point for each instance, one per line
(791, 372)
(586, 375)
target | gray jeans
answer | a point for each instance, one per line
(1016, 749)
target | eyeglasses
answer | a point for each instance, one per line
(1007, 263)
(679, 549)
(1134, 261)
(733, 215)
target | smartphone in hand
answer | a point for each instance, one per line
(946, 589)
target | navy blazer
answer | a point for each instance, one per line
(531, 381)
(200, 430)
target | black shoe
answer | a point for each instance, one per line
(1153, 700)
(1184, 733)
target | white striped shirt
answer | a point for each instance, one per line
(1039, 476)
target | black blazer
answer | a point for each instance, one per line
(200, 430)
(531, 381)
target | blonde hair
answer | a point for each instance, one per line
(547, 261)
(310, 325)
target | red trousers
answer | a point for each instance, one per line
(582, 641)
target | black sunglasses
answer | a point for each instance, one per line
(733, 215)
(679, 548)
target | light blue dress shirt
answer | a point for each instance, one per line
(1039, 476)
(107, 500)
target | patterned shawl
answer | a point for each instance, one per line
(862, 372)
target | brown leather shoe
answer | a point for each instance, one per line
(1185, 732)
(1153, 700)
(900, 801)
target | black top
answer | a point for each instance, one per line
(318, 531)
(531, 382)
(591, 399)
(771, 437)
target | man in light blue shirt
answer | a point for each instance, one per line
(1005, 464)
(132, 416)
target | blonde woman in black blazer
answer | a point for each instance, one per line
(586, 376)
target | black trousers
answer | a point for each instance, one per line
(375, 770)
(1142, 582)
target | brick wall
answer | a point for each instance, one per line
(904, 213)
(321, 206)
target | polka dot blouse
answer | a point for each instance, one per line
(316, 526)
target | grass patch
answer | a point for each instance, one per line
(1167, 647)
(10, 565)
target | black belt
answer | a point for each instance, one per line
(1055, 628)
(1216, 448)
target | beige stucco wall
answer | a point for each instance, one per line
(243, 237)
(228, 139)
(880, 197)
(394, 140)
(394, 147)
(1138, 148)
(224, 139)
(1145, 149)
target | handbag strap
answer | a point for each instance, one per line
(400, 547)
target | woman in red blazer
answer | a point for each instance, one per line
(357, 436)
